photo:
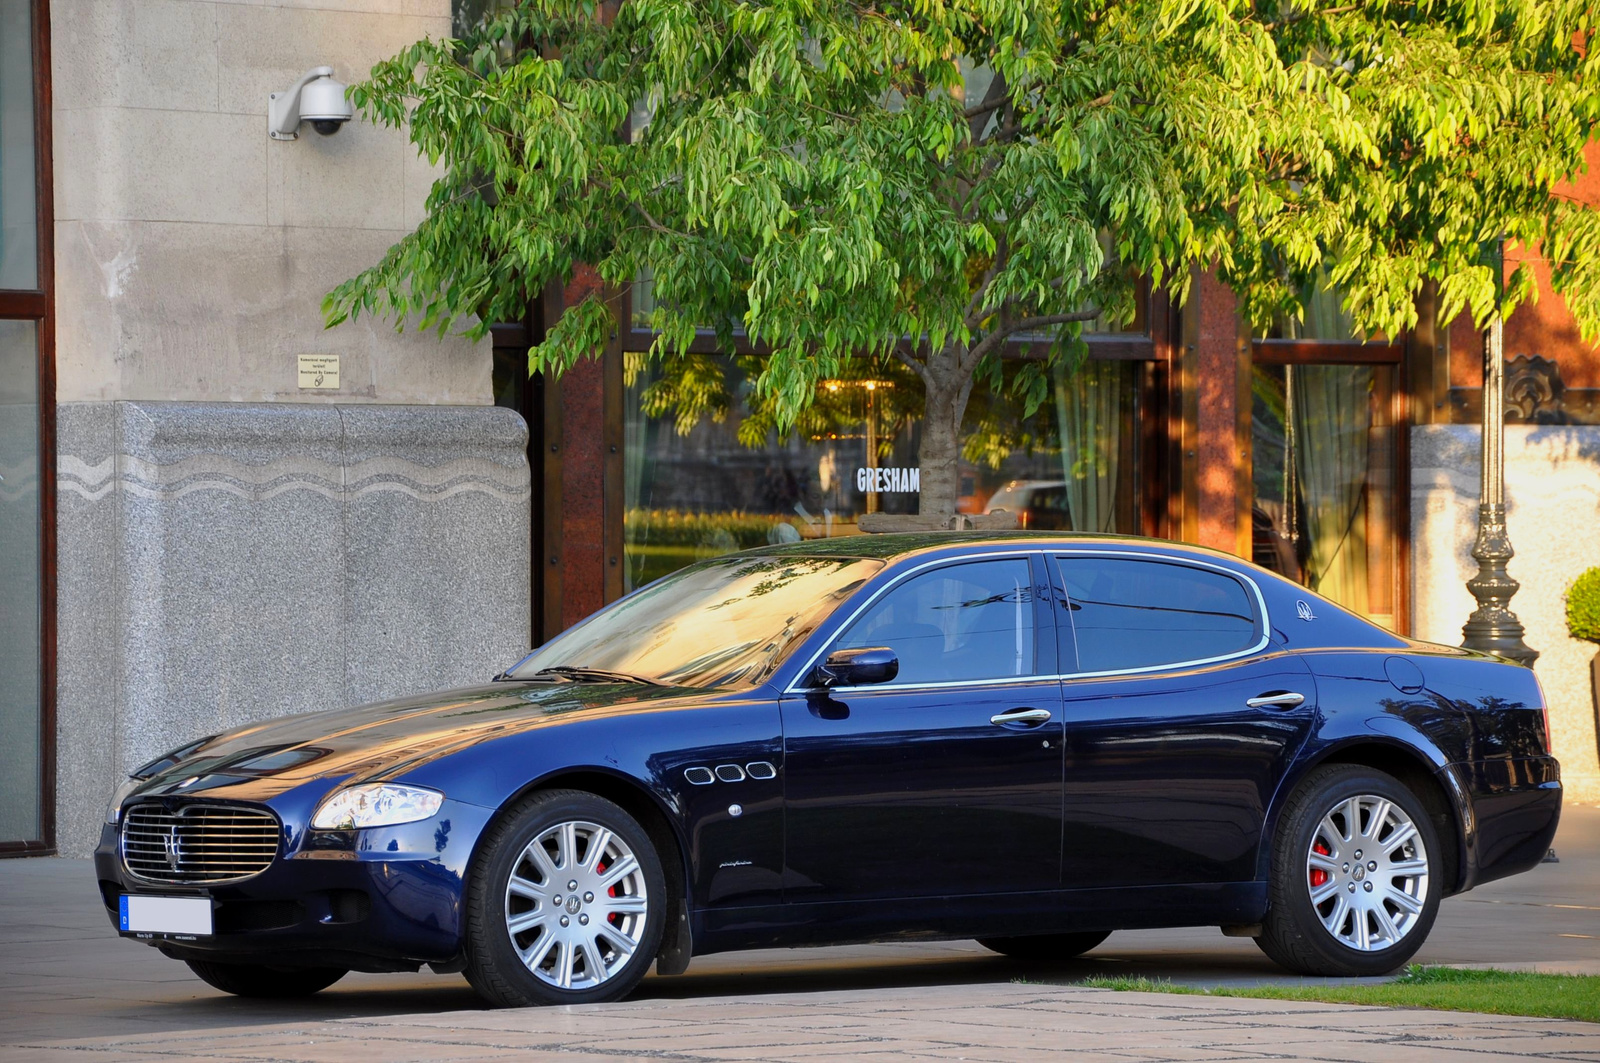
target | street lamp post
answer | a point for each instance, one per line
(1493, 627)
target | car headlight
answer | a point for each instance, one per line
(128, 785)
(383, 804)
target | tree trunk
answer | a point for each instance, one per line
(947, 391)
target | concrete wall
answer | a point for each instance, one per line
(233, 547)
(192, 251)
(1553, 515)
(222, 563)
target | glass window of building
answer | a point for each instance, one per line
(23, 315)
(1325, 459)
(721, 477)
(19, 232)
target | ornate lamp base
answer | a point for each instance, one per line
(1492, 627)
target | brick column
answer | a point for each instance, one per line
(1221, 358)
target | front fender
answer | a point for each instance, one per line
(729, 831)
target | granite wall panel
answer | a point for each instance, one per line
(223, 563)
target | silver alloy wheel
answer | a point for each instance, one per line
(1367, 872)
(576, 905)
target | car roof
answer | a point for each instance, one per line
(892, 545)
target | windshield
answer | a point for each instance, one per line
(726, 622)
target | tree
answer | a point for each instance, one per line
(921, 180)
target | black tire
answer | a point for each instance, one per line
(263, 981)
(494, 966)
(1294, 932)
(1046, 948)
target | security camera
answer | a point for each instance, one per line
(315, 98)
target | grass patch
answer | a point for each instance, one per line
(1546, 996)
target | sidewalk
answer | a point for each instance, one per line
(1005, 1023)
(70, 989)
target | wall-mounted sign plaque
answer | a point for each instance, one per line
(319, 372)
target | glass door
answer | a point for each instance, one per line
(20, 627)
(26, 697)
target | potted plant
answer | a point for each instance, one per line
(1583, 621)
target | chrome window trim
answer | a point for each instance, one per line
(794, 686)
(964, 684)
(1141, 555)
(1049, 554)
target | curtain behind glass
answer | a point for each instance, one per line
(1332, 421)
(1089, 402)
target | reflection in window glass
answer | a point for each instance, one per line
(1125, 613)
(733, 483)
(1323, 481)
(19, 237)
(723, 623)
(966, 622)
(19, 578)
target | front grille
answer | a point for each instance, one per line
(197, 844)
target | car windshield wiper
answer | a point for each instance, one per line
(592, 675)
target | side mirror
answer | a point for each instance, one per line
(848, 668)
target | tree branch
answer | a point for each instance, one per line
(1007, 328)
(1002, 252)
(916, 365)
(996, 96)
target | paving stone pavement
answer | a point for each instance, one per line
(71, 990)
(1003, 1023)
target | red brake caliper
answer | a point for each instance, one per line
(615, 919)
(1319, 876)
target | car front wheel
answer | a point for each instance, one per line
(564, 905)
(1355, 877)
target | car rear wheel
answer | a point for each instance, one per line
(565, 903)
(1354, 884)
(261, 980)
(1046, 947)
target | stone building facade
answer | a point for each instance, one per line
(195, 536)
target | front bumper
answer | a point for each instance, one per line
(380, 899)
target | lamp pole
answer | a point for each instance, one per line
(1493, 627)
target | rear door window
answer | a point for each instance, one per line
(1123, 614)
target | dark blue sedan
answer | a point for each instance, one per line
(1031, 740)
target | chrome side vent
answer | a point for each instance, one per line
(197, 844)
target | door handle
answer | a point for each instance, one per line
(1286, 700)
(1026, 717)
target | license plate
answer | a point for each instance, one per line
(187, 916)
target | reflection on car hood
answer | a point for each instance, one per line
(386, 738)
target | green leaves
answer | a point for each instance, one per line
(857, 183)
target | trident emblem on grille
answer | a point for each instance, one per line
(170, 845)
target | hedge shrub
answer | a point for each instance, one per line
(1583, 606)
(667, 527)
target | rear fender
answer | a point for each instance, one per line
(1411, 757)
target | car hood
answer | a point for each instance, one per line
(385, 738)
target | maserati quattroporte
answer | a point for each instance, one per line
(1031, 740)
